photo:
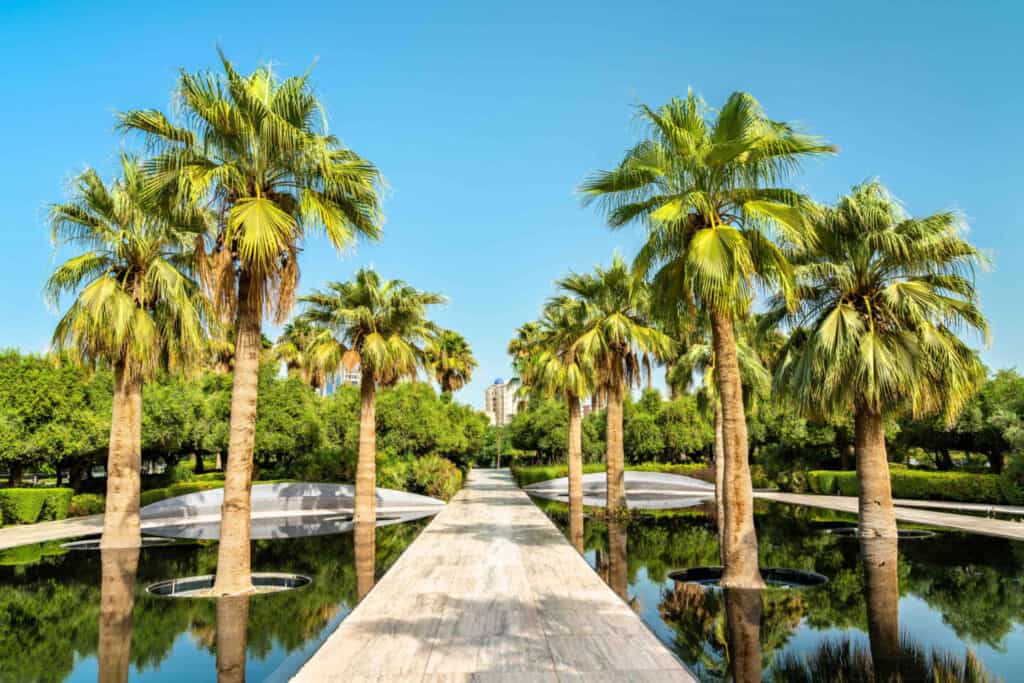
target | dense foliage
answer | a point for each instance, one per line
(55, 417)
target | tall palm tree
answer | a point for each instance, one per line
(711, 197)
(523, 347)
(756, 381)
(381, 326)
(136, 308)
(615, 331)
(296, 348)
(882, 297)
(451, 359)
(256, 148)
(557, 368)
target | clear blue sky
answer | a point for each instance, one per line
(485, 116)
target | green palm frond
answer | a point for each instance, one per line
(882, 298)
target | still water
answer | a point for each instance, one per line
(86, 616)
(951, 604)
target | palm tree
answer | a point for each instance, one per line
(523, 347)
(755, 379)
(296, 349)
(382, 327)
(451, 359)
(881, 298)
(615, 331)
(558, 369)
(136, 308)
(256, 148)
(709, 194)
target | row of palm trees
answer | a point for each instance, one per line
(181, 259)
(865, 304)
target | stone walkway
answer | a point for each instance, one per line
(976, 525)
(492, 591)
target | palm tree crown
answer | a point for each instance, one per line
(136, 303)
(379, 325)
(296, 347)
(708, 193)
(451, 358)
(258, 147)
(882, 298)
(611, 310)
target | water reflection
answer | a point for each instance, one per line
(365, 539)
(232, 637)
(117, 604)
(961, 597)
(66, 614)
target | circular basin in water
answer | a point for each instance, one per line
(901, 534)
(200, 586)
(775, 577)
(94, 543)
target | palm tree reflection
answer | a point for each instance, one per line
(365, 539)
(232, 638)
(117, 603)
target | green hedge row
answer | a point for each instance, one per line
(963, 487)
(27, 506)
(83, 504)
(179, 489)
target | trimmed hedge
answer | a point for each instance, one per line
(27, 506)
(84, 504)
(964, 487)
(180, 489)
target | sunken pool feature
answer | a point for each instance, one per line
(903, 534)
(774, 577)
(929, 609)
(87, 616)
(94, 543)
(199, 586)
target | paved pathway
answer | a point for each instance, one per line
(978, 525)
(23, 534)
(492, 591)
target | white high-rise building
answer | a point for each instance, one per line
(500, 402)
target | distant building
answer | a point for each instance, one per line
(342, 376)
(500, 402)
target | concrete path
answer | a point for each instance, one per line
(492, 591)
(976, 525)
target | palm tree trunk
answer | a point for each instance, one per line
(614, 454)
(743, 617)
(234, 570)
(668, 381)
(232, 637)
(877, 515)
(575, 472)
(618, 560)
(117, 603)
(365, 539)
(740, 551)
(881, 584)
(719, 482)
(124, 462)
(366, 464)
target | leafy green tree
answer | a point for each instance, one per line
(382, 327)
(257, 148)
(709, 193)
(881, 299)
(135, 308)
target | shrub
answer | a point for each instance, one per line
(84, 504)
(181, 489)
(27, 506)
(393, 471)
(525, 476)
(183, 470)
(822, 481)
(965, 487)
(436, 477)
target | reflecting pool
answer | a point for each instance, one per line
(948, 605)
(85, 615)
